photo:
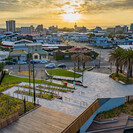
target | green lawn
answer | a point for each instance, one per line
(65, 73)
(10, 81)
(122, 77)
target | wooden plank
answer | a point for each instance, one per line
(42, 120)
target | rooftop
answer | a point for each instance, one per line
(126, 46)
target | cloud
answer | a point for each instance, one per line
(98, 6)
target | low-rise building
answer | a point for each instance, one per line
(3, 55)
(19, 55)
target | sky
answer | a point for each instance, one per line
(64, 13)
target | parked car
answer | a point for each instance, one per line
(2, 61)
(33, 61)
(51, 65)
(62, 65)
(22, 62)
(48, 60)
(10, 63)
(43, 61)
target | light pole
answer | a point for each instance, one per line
(29, 70)
(82, 70)
(34, 85)
(111, 68)
(74, 74)
(100, 59)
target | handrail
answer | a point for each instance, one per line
(81, 119)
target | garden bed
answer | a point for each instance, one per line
(10, 105)
(121, 78)
(127, 108)
(39, 95)
(10, 81)
(7, 121)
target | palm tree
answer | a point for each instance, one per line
(81, 59)
(76, 58)
(128, 62)
(116, 57)
(85, 59)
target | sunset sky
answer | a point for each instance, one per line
(64, 13)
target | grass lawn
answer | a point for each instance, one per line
(10, 81)
(127, 108)
(122, 77)
(65, 73)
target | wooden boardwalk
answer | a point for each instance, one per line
(41, 120)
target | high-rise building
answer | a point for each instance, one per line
(125, 29)
(27, 30)
(39, 28)
(10, 26)
(131, 27)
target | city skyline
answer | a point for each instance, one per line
(89, 13)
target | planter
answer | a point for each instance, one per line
(7, 121)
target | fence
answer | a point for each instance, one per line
(79, 122)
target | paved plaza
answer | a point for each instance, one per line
(99, 86)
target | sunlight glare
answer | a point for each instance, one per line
(71, 17)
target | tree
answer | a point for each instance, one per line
(29, 56)
(81, 59)
(9, 58)
(85, 59)
(2, 65)
(76, 58)
(1, 43)
(116, 57)
(128, 62)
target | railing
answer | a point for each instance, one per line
(79, 121)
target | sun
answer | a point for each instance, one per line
(71, 17)
(70, 13)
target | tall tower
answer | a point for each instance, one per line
(10, 26)
(75, 26)
(131, 27)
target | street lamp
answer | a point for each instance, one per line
(74, 75)
(111, 68)
(34, 85)
(100, 59)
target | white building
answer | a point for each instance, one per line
(27, 30)
(126, 46)
(3, 55)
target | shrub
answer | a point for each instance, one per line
(59, 57)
